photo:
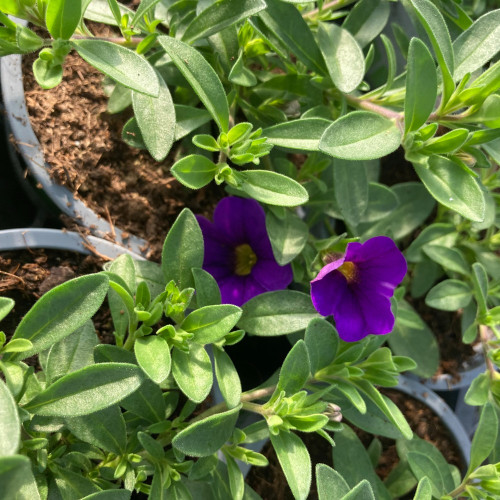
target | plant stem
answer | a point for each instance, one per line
(371, 106)
(131, 42)
(333, 5)
(483, 335)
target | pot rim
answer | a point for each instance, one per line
(29, 147)
(23, 238)
(427, 396)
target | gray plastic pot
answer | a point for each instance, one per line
(21, 239)
(31, 151)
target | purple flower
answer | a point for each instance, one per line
(356, 288)
(238, 252)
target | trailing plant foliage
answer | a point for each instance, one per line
(283, 102)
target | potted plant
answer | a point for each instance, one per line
(296, 102)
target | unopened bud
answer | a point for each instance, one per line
(333, 412)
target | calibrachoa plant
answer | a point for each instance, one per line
(290, 105)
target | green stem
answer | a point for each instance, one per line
(129, 343)
(333, 5)
(131, 42)
(375, 108)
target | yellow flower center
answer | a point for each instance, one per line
(245, 259)
(349, 270)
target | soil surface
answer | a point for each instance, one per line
(82, 144)
(26, 275)
(270, 483)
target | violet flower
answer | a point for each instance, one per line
(356, 288)
(238, 252)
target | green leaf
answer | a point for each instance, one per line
(194, 171)
(453, 186)
(362, 491)
(272, 188)
(353, 462)
(449, 295)
(343, 56)
(447, 143)
(202, 78)
(60, 312)
(415, 205)
(381, 202)
(303, 134)
(288, 236)
(211, 323)
(435, 26)
(449, 258)
(439, 233)
(227, 378)
(285, 23)
(424, 489)
(421, 85)
(104, 429)
(16, 478)
(17, 345)
(124, 267)
(207, 289)
(412, 337)
(142, 9)
(277, 313)
(478, 392)
(121, 64)
(153, 356)
(295, 462)
(182, 250)
(484, 437)
(422, 467)
(366, 20)
(360, 135)
(87, 390)
(156, 119)
(193, 372)
(47, 74)
(109, 495)
(72, 353)
(477, 45)
(62, 17)
(188, 119)
(220, 15)
(205, 437)
(6, 305)
(330, 483)
(147, 403)
(352, 202)
(241, 75)
(10, 426)
(295, 370)
(322, 343)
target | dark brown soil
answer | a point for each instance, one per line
(270, 483)
(82, 144)
(26, 275)
(447, 329)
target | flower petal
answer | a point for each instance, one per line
(376, 310)
(349, 318)
(237, 290)
(327, 292)
(271, 276)
(241, 220)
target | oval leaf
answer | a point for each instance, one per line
(193, 372)
(449, 295)
(421, 85)
(10, 426)
(61, 311)
(121, 64)
(62, 17)
(194, 171)
(201, 77)
(211, 323)
(303, 134)
(272, 188)
(343, 56)
(227, 378)
(156, 119)
(453, 186)
(153, 356)
(205, 437)
(87, 390)
(277, 313)
(220, 15)
(360, 135)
